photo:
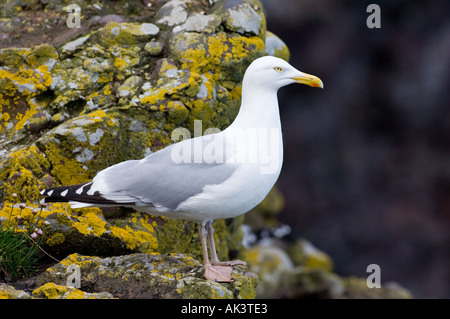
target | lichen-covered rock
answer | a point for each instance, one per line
(9, 292)
(310, 276)
(142, 276)
(303, 253)
(276, 47)
(271, 264)
(113, 90)
(357, 288)
(25, 74)
(63, 231)
(52, 291)
(318, 283)
(116, 93)
(242, 16)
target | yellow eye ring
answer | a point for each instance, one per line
(278, 69)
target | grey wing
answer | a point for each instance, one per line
(158, 180)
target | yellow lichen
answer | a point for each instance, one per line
(51, 290)
(20, 170)
(79, 260)
(23, 118)
(75, 294)
(106, 78)
(157, 95)
(194, 60)
(136, 239)
(107, 90)
(120, 63)
(20, 83)
(67, 171)
(91, 222)
(217, 47)
(241, 46)
(125, 235)
(100, 116)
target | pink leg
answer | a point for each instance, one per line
(212, 272)
(212, 246)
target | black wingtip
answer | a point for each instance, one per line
(62, 194)
(77, 193)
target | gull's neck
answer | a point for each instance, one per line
(259, 108)
(256, 133)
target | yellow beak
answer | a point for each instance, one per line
(309, 79)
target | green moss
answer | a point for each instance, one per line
(178, 113)
(55, 239)
(41, 54)
(178, 236)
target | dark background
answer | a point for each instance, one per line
(366, 174)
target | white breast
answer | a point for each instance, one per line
(259, 158)
(245, 189)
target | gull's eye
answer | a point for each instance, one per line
(278, 69)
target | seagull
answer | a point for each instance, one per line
(208, 177)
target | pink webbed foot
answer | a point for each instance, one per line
(218, 273)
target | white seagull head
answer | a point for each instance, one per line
(271, 73)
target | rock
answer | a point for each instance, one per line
(130, 86)
(305, 254)
(154, 48)
(141, 276)
(357, 288)
(173, 13)
(73, 45)
(52, 291)
(270, 263)
(244, 17)
(199, 23)
(276, 47)
(24, 75)
(38, 122)
(309, 283)
(178, 112)
(9, 292)
(310, 277)
(318, 283)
